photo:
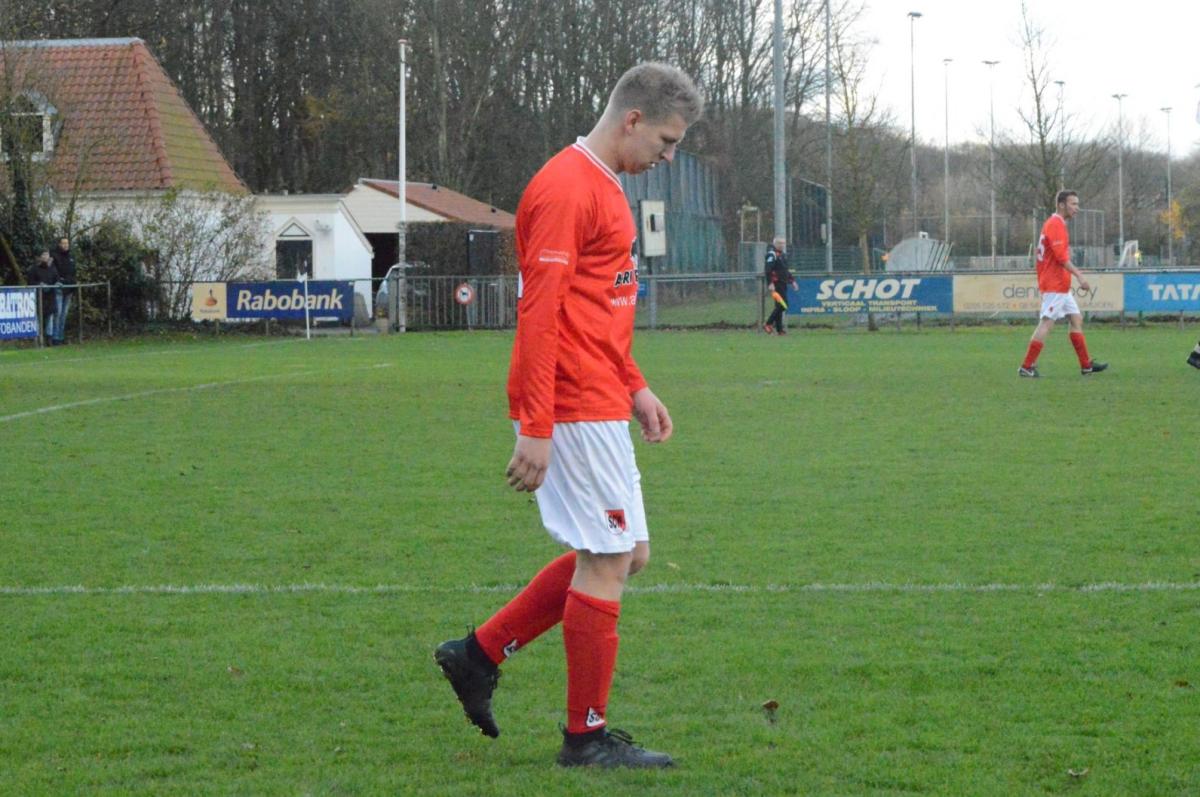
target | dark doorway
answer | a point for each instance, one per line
(293, 258)
(386, 246)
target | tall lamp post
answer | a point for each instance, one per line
(781, 219)
(991, 65)
(828, 151)
(1062, 149)
(402, 194)
(1120, 175)
(1170, 210)
(913, 16)
(946, 152)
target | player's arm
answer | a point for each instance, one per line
(1083, 283)
(548, 263)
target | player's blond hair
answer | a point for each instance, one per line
(658, 91)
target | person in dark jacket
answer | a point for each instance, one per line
(66, 275)
(778, 279)
(44, 273)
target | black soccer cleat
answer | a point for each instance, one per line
(1031, 371)
(608, 749)
(1093, 368)
(1194, 359)
(473, 681)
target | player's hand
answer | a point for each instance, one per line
(652, 416)
(527, 469)
(1084, 285)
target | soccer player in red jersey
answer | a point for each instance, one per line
(572, 386)
(1054, 270)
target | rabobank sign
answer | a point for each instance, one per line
(883, 294)
(322, 299)
(1176, 291)
(18, 313)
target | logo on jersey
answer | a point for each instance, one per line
(553, 256)
(627, 277)
(616, 520)
(511, 648)
(594, 718)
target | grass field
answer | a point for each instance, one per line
(224, 565)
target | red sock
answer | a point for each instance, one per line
(1035, 348)
(535, 609)
(590, 637)
(1080, 349)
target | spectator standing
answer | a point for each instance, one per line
(44, 273)
(65, 264)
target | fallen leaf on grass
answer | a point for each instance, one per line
(1079, 773)
(1182, 684)
(234, 671)
(672, 565)
(770, 707)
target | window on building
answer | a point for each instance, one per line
(28, 127)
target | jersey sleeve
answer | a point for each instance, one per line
(552, 233)
(633, 375)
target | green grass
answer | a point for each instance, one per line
(890, 534)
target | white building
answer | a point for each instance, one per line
(317, 235)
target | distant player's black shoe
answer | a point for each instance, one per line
(1093, 368)
(473, 682)
(1031, 372)
(608, 749)
(1194, 359)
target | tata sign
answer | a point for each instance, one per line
(1178, 291)
(871, 294)
(321, 298)
(18, 313)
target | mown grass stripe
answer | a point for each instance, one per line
(749, 589)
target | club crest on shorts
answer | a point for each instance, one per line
(616, 520)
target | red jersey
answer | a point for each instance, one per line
(576, 297)
(1053, 255)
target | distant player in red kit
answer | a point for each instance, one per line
(572, 386)
(1054, 272)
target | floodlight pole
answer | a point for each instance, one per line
(946, 153)
(402, 195)
(828, 152)
(913, 16)
(992, 150)
(1062, 149)
(1120, 176)
(1170, 209)
(780, 167)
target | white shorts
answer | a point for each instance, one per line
(591, 499)
(1059, 305)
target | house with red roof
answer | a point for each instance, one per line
(375, 204)
(113, 125)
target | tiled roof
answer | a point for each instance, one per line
(444, 202)
(124, 125)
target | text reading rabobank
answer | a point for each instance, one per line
(322, 299)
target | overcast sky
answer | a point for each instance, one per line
(1149, 50)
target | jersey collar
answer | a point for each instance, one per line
(581, 145)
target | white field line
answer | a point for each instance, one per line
(475, 589)
(166, 390)
(198, 349)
